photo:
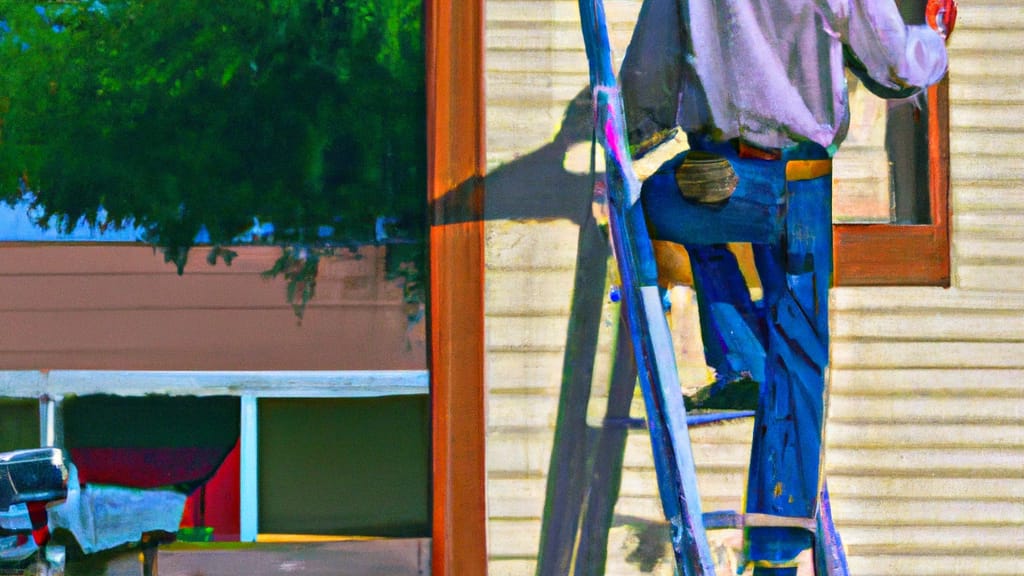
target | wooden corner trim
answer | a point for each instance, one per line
(455, 152)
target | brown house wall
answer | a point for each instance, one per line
(120, 307)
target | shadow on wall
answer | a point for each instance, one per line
(537, 186)
(556, 182)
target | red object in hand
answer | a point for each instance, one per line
(941, 15)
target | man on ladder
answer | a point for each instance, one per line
(759, 89)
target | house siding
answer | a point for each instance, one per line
(925, 439)
(926, 426)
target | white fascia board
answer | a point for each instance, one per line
(262, 384)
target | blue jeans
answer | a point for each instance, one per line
(781, 341)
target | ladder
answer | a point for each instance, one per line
(645, 321)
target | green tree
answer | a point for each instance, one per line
(187, 115)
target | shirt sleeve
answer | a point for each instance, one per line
(652, 71)
(898, 57)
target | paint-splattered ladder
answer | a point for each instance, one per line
(652, 344)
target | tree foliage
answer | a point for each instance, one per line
(187, 115)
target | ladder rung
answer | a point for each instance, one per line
(705, 418)
(729, 519)
(692, 420)
(629, 423)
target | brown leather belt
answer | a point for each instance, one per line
(748, 150)
(795, 169)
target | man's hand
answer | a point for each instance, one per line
(941, 15)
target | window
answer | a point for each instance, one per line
(905, 253)
(890, 192)
(322, 452)
(891, 188)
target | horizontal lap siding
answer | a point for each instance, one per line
(121, 307)
(987, 118)
(926, 430)
(530, 275)
(535, 66)
(926, 427)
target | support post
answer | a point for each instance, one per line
(248, 489)
(51, 424)
(455, 164)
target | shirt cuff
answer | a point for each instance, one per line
(925, 60)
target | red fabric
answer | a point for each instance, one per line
(41, 536)
(146, 467)
(219, 502)
(37, 514)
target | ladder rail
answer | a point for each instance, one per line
(648, 329)
(652, 344)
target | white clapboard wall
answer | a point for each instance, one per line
(926, 430)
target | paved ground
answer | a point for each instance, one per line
(404, 557)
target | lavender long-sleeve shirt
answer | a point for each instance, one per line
(768, 71)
